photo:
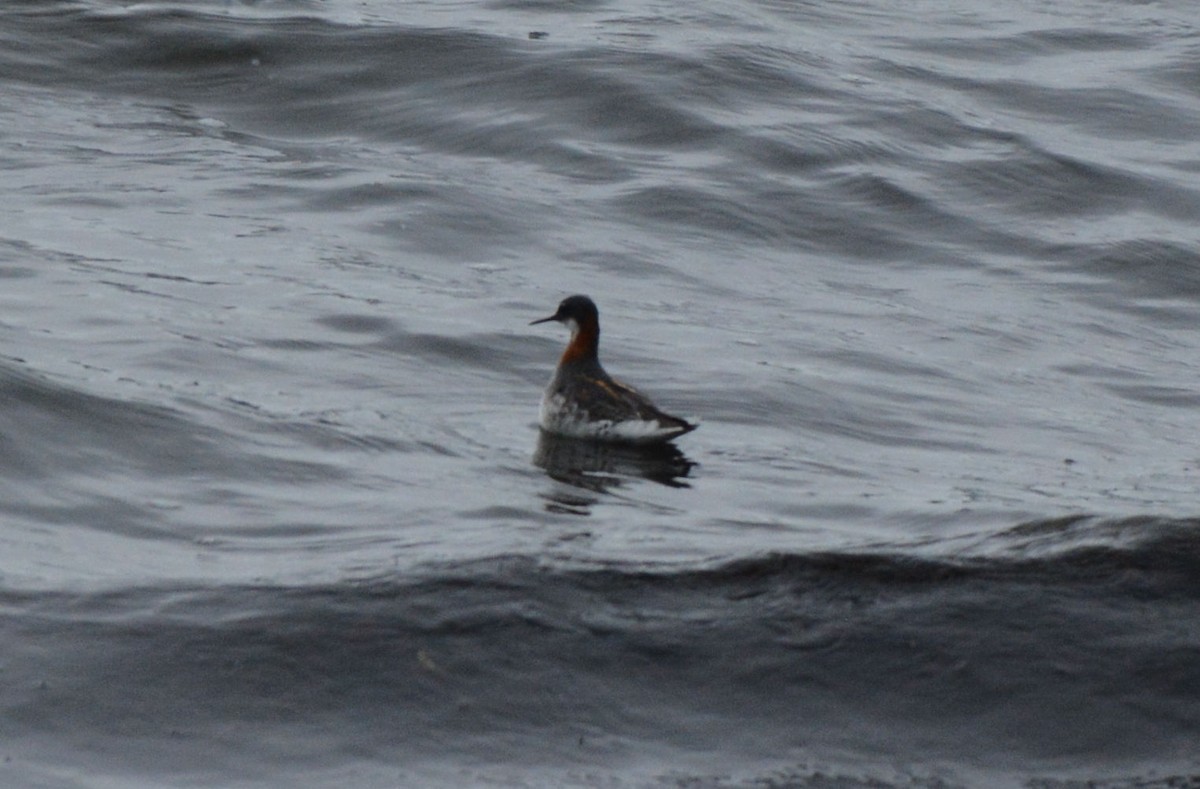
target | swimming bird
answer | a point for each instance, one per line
(583, 401)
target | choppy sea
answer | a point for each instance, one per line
(274, 507)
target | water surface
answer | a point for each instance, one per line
(275, 507)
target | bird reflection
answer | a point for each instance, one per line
(601, 466)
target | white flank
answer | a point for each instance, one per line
(565, 419)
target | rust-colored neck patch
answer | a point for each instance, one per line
(583, 345)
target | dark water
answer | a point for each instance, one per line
(273, 507)
(783, 670)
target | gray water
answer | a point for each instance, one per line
(927, 274)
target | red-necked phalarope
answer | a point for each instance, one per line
(582, 401)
